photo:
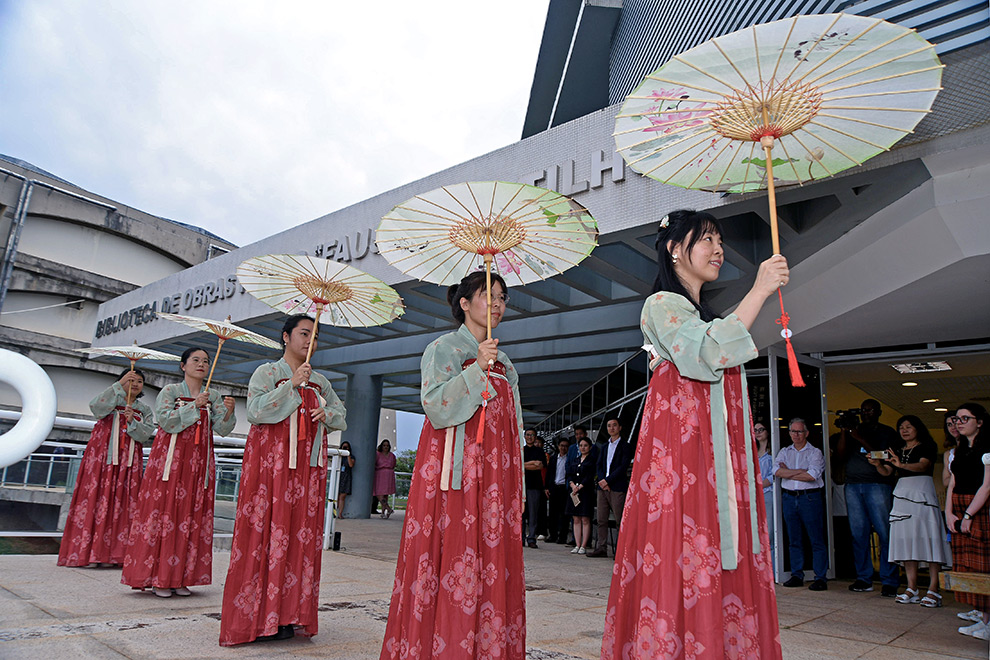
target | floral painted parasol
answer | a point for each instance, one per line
(828, 92)
(333, 292)
(525, 233)
(224, 330)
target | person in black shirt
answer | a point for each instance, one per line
(557, 492)
(917, 532)
(966, 509)
(534, 462)
(869, 495)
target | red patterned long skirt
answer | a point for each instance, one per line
(171, 539)
(103, 502)
(275, 557)
(971, 552)
(459, 585)
(670, 597)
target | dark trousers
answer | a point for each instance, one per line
(558, 520)
(608, 501)
(804, 511)
(534, 498)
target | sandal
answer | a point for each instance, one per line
(932, 599)
(909, 597)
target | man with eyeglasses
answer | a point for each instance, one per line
(800, 467)
(869, 492)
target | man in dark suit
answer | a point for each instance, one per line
(613, 481)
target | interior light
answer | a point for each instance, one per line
(909, 383)
(941, 410)
(929, 400)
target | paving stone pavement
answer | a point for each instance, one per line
(49, 612)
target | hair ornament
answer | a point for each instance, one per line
(664, 222)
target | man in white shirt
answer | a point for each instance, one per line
(800, 467)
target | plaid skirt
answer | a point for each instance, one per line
(971, 552)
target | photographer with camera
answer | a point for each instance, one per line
(862, 446)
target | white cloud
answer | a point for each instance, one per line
(246, 118)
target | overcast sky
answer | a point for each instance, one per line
(246, 118)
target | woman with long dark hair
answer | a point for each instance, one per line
(106, 491)
(459, 590)
(346, 477)
(692, 571)
(967, 509)
(273, 582)
(170, 547)
(917, 533)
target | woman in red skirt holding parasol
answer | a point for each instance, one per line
(692, 576)
(459, 589)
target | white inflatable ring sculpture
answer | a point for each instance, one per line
(38, 407)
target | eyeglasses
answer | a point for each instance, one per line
(759, 429)
(961, 419)
(797, 432)
(501, 298)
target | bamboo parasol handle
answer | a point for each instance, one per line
(767, 143)
(312, 337)
(216, 359)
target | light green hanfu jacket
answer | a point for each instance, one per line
(702, 351)
(271, 402)
(140, 428)
(451, 394)
(175, 419)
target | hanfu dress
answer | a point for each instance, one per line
(105, 496)
(276, 553)
(171, 538)
(692, 577)
(459, 587)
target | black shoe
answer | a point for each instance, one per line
(598, 553)
(794, 582)
(888, 591)
(284, 632)
(819, 585)
(863, 586)
(532, 544)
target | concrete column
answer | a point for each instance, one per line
(364, 403)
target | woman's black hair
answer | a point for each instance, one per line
(924, 435)
(466, 289)
(685, 227)
(186, 354)
(138, 372)
(980, 413)
(345, 442)
(290, 325)
(382, 443)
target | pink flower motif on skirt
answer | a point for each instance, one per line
(659, 483)
(278, 545)
(491, 516)
(461, 581)
(700, 563)
(692, 647)
(424, 588)
(739, 624)
(651, 558)
(491, 632)
(688, 479)
(430, 472)
(654, 637)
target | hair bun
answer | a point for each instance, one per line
(452, 293)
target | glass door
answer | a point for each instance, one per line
(785, 403)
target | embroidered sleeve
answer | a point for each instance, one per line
(700, 350)
(449, 394)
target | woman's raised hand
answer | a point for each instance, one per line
(487, 352)
(772, 275)
(301, 375)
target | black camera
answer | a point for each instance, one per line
(848, 419)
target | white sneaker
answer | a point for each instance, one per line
(978, 630)
(162, 593)
(973, 615)
(182, 591)
(582, 551)
(575, 550)
(541, 537)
